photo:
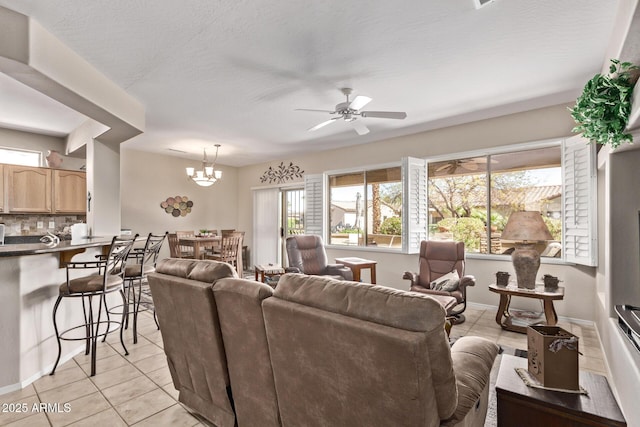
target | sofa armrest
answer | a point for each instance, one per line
(292, 270)
(473, 358)
(465, 281)
(410, 275)
(339, 270)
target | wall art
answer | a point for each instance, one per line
(177, 206)
(281, 173)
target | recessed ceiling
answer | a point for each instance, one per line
(233, 72)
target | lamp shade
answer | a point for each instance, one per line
(526, 226)
(208, 175)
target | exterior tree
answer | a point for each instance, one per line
(375, 205)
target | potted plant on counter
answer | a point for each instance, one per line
(602, 111)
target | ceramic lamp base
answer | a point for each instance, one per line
(526, 262)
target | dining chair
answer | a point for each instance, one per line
(229, 250)
(176, 250)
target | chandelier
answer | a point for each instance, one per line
(208, 175)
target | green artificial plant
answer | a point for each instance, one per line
(602, 111)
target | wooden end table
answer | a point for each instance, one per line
(503, 317)
(267, 270)
(357, 264)
(523, 406)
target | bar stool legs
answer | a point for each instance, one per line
(91, 328)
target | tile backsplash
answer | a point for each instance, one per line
(37, 225)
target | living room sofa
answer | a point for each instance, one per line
(314, 352)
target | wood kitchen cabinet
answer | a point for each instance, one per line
(69, 191)
(29, 189)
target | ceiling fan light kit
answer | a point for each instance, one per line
(349, 111)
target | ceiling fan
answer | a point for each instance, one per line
(350, 112)
(471, 164)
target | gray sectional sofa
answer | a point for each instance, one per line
(314, 352)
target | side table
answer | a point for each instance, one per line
(357, 264)
(523, 406)
(503, 317)
(264, 271)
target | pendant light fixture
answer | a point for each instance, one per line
(207, 176)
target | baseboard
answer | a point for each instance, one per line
(19, 386)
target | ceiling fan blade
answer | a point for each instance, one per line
(359, 102)
(315, 111)
(385, 114)
(323, 124)
(359, 127)
(470, 166)
(443, 167)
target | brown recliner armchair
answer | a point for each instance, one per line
(307, 255)
(436, 260)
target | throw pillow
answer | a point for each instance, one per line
(447, 283)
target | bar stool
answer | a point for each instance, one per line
(137, 273)
(109, 278)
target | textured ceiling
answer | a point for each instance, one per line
(233, 71)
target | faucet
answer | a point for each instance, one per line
(50, 239)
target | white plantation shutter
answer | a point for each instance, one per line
(580, 203)
(314, 204)
(415, 209)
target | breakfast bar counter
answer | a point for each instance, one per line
(63, 246)
(30, 277)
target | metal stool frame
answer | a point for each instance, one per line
(147, 258)
(111, 271)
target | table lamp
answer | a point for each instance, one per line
(526, 228)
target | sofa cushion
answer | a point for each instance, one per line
(239, 305)
(473, 358)
(207, 271)
(192, 339)
(175, 267)
(380, 304)
(326, 330)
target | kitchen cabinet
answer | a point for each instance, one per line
(69, 191)
(29, 189)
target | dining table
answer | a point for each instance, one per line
(200, 244)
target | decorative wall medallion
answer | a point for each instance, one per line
(177, 206)
(281, 173)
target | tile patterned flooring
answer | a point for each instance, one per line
(137, 389)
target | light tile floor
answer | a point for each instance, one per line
(137, 389)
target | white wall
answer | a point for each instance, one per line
(147, 179)
(36, 142)
(536, 125)
(618, 279)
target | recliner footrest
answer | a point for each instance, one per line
(447, 302)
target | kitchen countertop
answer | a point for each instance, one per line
(41, 248)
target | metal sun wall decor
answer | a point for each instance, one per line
(281, 173)
(177, 206)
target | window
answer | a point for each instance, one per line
(365, 208)
(464, 198)
(470, 199)
(16, 156)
